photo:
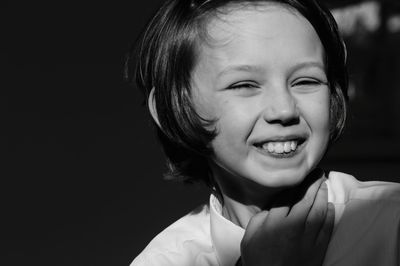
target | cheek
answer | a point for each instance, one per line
(233, 126)
(233, 121)
(204, 106)
(315, 109)
(316, 113)
(323, 113)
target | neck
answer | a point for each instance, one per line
(243, 198)
(237, 212)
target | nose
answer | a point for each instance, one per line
(281, 108)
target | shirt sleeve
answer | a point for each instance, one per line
(169, 258)
(153, 260)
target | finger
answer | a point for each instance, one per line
(317, 215)
(277, 215)
(322, 242)
(255, 224)
(325, 233)
(257, 220)
(301, 209)
(278, 224)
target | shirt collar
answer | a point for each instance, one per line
(226, 236)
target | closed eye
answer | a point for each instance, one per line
(242, 85)
(309, 82)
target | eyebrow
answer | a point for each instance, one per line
(259, 69)
(308, 64)
(240, 68)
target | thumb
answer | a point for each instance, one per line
(255, 223)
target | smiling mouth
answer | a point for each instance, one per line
(285, 147)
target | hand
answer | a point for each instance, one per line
(287, 236)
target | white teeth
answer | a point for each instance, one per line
(270, 147)
(293, 145)
(286, 147)
(280, 147)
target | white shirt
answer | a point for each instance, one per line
(366, 232)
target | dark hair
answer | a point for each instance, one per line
(166, 56)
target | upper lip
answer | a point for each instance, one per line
(280, 138)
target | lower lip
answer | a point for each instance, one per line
(282, 155)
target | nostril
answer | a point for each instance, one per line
(287, 121)
(281, 107)
(285, 116)
(293, 121)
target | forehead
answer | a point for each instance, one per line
(248, 30)
(222, 22)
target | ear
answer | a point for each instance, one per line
(345, 51)
(152, 107)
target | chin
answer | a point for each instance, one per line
(282, 178)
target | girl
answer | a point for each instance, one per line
(247, 97)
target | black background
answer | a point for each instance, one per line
(83, 181)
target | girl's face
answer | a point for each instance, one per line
(261, 74)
